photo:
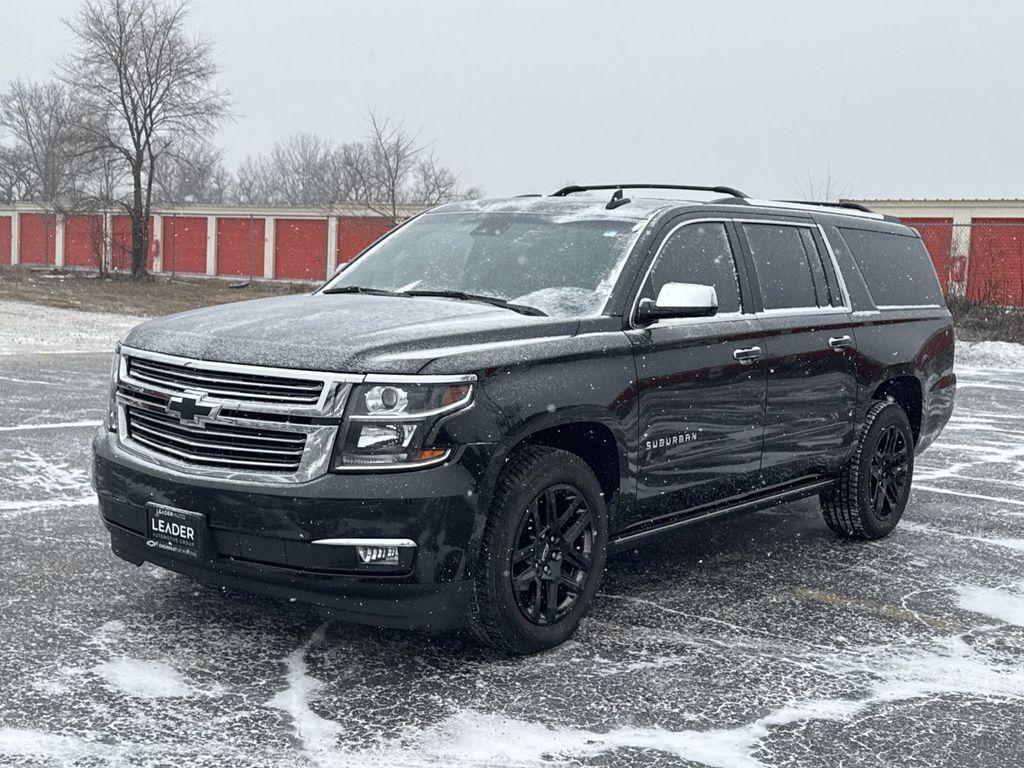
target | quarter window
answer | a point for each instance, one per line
(698, 253)
(782, 266)
(896, 268)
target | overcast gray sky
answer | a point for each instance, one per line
(900, 99)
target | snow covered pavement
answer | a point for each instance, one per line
(758, 641)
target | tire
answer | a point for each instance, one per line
(871, 493)
(513, 610)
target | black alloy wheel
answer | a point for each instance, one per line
(871, 491)
(553, 554)
(888, 471)
(542, 551)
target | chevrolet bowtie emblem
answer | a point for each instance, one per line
(189, 408)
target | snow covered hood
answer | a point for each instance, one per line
(347, 333)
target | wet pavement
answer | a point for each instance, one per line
(762, 640)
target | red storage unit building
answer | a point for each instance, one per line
(239, 246)
(5, 239)
(300, 249)
(184, 244)
(302, 241)
(83, 241)
(357, 232)
(996, 271)
(37, 237)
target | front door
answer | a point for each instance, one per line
(809, 340)
(701, 380)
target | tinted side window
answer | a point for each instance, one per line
(783, 269)
(698, 253)
(896, 268)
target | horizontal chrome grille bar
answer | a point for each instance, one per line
(225, 385)
(216, 462)
(248, 381)
(232, 394)
(200, 444)
(220, 431)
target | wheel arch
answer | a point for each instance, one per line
(907, 391)
(593, 434)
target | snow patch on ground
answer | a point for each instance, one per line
(47, 476)
(27, 328)
(1001, 355)
(999, 604)
(317, 735)
(57, 749)
(143, 679)
(471, 737)
(1015, 544)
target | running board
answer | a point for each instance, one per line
(627, 539)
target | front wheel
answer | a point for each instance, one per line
(542, 554)
(870, 495)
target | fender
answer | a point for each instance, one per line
(538, 422)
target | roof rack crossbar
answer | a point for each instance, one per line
(573, 188)
(827, 204)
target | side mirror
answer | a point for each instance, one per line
(679, 300)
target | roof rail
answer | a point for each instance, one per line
(826, 204)
(573, 188)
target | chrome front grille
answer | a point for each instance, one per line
(229, 421)
(225, 383)
(229, 447)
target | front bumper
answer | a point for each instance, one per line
(261, 533)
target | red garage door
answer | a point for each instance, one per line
(36, 237)
(300, 249)
(5, 239)
(938, 239)
(121, 244)
(995, 271)
(234, 254)
(83, 241)
(184, 245)
(357, 232)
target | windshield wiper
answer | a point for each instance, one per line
(361, 289)
(522, 309)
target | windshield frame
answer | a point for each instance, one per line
(640, 225)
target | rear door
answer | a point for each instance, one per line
(811, 375)
(701, 380)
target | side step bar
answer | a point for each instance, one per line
(627, 539)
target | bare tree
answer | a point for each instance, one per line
(380, 167)
(303, 169)
(14, 174)
(40, 120)
(390, 168)
(145, 84)
(824, 188)
(193, 172)
(433, 183)
(383, 172)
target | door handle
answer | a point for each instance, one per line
(839, 343)
(748, 355)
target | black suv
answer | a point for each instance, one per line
(461, 424)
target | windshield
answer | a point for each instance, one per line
(560, 265)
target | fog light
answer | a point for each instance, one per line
(378, 555)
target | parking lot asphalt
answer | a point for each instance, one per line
(759, 641)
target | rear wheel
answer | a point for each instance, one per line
(543, 552)
(869, 498)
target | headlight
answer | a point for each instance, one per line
(115, 369)
(393, 425)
